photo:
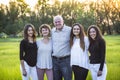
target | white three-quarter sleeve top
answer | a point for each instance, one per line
(78, 56)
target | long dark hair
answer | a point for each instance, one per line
(81, 36)
(98, 37)
(26, 34)
(98, 33)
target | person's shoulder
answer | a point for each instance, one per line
(86, 39)
(67, 27)
(53, 29)
(39, 40)
(102, 41)
(23, 40)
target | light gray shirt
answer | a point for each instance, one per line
(44, 59)
(60, 40)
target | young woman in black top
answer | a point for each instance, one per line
(97, 49)
(28, 53)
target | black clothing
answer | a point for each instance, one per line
(28, 52)
(97, 53)
(80, 73)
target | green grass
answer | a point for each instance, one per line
(10, 64)
(9, 60)
(113, 57)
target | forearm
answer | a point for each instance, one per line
(103, 51)
(22, 64)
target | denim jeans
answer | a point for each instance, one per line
(62, 69)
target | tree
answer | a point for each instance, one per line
(3, 18)
(12, 13)
(117, 27)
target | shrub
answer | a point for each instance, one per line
(117, 27)
(3, 35)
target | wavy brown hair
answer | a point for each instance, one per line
(98, 33)
(44, 26)
(81, 36)
(26, 32)
(98, 37)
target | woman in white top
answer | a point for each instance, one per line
(44, 59)
(79, 52)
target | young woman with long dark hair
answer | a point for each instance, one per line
(97, 49)
(79, 52)
(28, 53)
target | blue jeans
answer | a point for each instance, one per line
(62, 68)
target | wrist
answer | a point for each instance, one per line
(23, 69)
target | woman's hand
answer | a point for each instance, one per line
(24, 73)
(99, 73)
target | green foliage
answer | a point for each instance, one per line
(87, 19)
(103, 13)
(3, 18)
(117, 27)
(3, 35)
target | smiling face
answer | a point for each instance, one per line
(92, 33)
(76, 30)
(30, 32)
(58, 22)
(45, 32)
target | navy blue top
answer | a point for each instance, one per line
(28, 52)
(97, 53)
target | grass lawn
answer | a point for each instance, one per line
(10, 64)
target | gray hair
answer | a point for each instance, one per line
(58, 16)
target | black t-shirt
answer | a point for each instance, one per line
(97, 53)
(28, 52)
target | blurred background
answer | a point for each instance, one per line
(14, 14)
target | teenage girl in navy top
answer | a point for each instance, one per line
(97, 49)
(28, 53)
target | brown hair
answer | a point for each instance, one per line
(98, 33)
(26, 29)
(98, 37)
(44, 26)
(81, 36)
